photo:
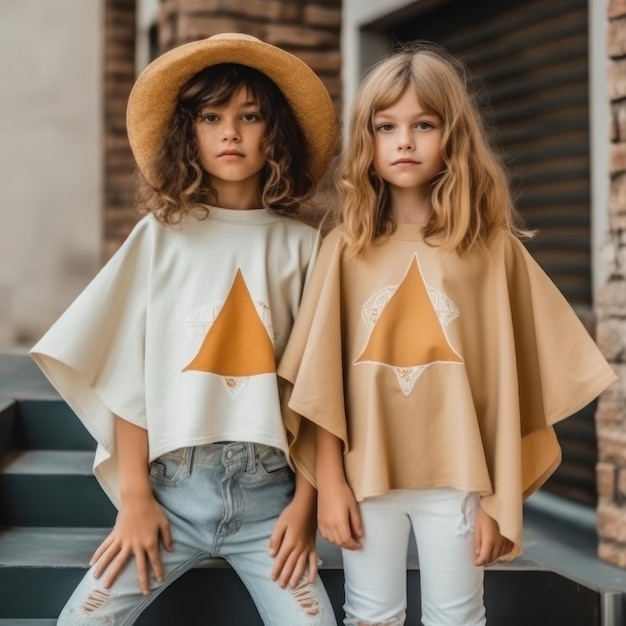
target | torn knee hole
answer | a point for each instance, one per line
(96, 600)
(307, 599)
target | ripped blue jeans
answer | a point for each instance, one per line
(222, 500)
(451, 585)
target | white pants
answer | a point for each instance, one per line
(451, 585)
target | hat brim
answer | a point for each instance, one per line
(153, 98)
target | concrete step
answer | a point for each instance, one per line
(48, 492)
(40, 567)
(8, 425)
(51, 425)
(52, 488)
(40, 424)
(52, 548)
(21, 378)
(47, 564)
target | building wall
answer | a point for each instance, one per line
(600, 109)
(310, 29)
(50, 179)
(66, 170)
(611, 311)
(119, 71)
(359, 48)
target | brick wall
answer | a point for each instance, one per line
(611, 312)
(309, 29)
(119, 76)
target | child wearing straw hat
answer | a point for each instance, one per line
(169, 355)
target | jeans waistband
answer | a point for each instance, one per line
(225, 452)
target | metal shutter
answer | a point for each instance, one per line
(532, 62)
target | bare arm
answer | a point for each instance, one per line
(293, 539)
(489, 543)
(140, 521)
(338, 515)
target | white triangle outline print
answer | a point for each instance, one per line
(235, 384)
(407, 376)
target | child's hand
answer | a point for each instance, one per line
(293, 545)
(490, 545)
(139, 525)
(338, 515)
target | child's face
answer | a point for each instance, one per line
(407, 145)
(229, 142)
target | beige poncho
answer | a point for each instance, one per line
(437, 370)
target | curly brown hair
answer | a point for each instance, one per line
(183, 187)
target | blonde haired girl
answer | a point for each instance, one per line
(431, 356)
(470, 198)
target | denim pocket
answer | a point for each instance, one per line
(271, 462)
(171, 467)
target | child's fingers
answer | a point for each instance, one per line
(288, 569)
(356, 522)
(323, 531)
(154, 556)
(351, 532)
(105, 559)
(346, 538)
(313, 563)
(339, 533)
(485, 554)
(280, 560)
(115, 567)
(299, 570)
(142, 572)
(481, 547)
(276, 538)
(102, 548)
(482, 559)
(277, 568)
(166, 536)
(331, 534)
(326, 530)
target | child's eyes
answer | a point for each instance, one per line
(208, 117)
(386, 128)
(212, 118)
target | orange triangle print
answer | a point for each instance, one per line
(237, 344)
(408, 333)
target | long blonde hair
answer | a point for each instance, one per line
(470, 198)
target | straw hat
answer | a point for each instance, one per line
(153, 97)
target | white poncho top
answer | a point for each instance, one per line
(180, 334)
